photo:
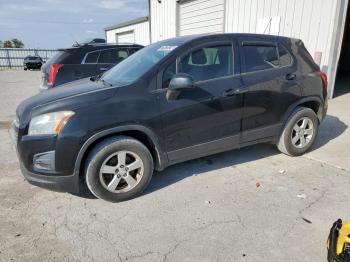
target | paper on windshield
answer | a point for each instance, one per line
(167, 48)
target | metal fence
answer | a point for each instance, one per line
(12, 58)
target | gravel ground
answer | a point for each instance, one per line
(253, 204)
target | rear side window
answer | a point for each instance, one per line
(91, 58)
(265, 56)
(285, 57)
(112, 56)
(133, 50)
(259, 57)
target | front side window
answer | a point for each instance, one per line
(168, 74)
(208, 62)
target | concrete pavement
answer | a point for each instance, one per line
(253, 204)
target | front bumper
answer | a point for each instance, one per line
(54, 183)
(46, 179)
(33, 65)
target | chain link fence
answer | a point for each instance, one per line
(12, 58)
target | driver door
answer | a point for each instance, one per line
(205, 119)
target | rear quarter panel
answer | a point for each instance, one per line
(311, 82)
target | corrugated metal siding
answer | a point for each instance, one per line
(201, 16)
(141, 31)
(163, 19)
(309, 20)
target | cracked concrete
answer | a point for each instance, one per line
(171, 221)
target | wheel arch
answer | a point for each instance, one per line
(140, 133)
(315, 103)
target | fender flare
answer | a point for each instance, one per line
(161, 158)
(297, 103)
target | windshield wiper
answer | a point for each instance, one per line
(95, 78)
(106, 83)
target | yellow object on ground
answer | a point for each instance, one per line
(339, 242)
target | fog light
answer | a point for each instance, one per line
(44, 161)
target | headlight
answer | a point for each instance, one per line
(49, 124)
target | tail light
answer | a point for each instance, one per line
(324, 79)
(53, 72)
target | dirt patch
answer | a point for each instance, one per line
(5, 124)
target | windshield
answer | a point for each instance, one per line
(132, 68)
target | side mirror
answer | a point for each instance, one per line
(180, 82)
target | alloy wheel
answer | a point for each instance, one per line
(121, 171)
(302, 132)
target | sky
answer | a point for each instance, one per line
(58, 23)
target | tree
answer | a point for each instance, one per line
(17, 43)
(1, 44)
(13, 43)
(8, 44)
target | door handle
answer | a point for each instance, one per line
(103, 68)
(233, 92)
(291, 77)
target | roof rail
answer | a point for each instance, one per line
(101, 44)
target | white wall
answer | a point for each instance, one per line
(309, 20)
(163, 19)
(141, 30)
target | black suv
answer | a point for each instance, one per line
(81, 61)
(32, 62)
(172, 101)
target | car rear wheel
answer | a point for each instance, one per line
(118, 169)
(299, 133)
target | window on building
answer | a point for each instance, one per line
(208, 63)
(92, 58)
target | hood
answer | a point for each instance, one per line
(72, 94)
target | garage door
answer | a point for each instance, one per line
(201, 16)
(126, 37)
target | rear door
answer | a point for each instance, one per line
(270, 82)
(110, 57)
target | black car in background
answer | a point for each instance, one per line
(172, 101)
(81, 61)
(32, 62)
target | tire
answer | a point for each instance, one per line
(288, 142)
(127, 181)
(25, 69)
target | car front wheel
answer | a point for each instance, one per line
(299, 133)
(118, 169)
